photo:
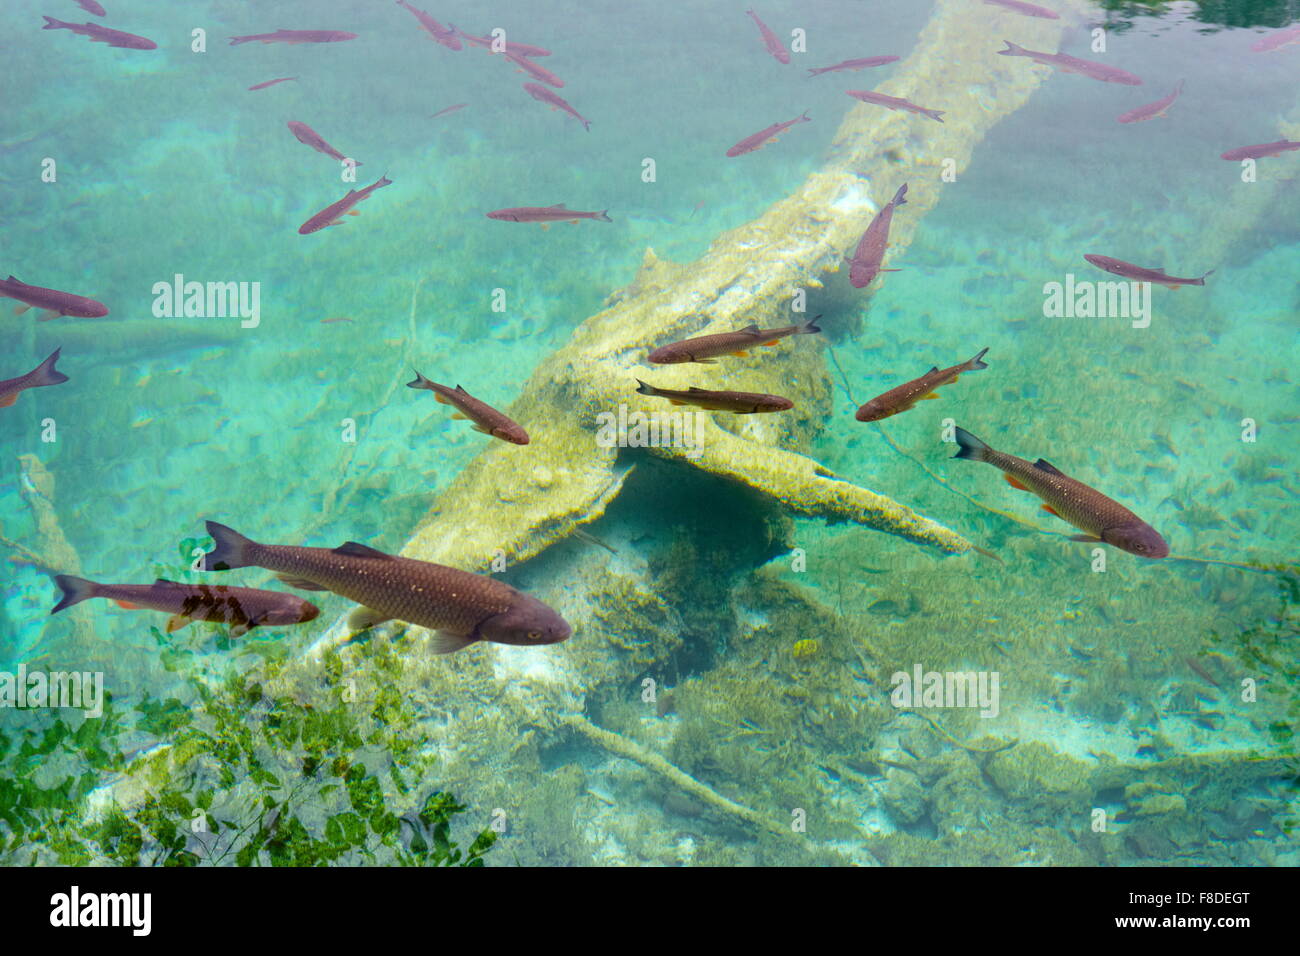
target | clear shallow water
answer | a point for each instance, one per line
(167, 164)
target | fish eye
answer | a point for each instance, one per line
(534, 635)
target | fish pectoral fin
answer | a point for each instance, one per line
(773, 342)
(239, 630)
(1047, 466)
(127, 605)
(1052, 511)
(1015, 482)
(741, 352)
(1086, 537)
(8, 400)
(49, 315)
(365, 617)
(176, 622)
(460, 416)
(479, 428)
(677, 401)
(353, 212)
(927, 396)
(20, 309)
(445, 643)
(301, 583)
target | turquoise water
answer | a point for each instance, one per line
(166, 164)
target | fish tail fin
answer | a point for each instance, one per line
(899, 199)
(805, 117)
(936, 115)
(977, 362)
(232, 550)
(1201, 280)
(53, 24)
(1179, 87)
(75, 590)
(643, 389)
(968, 446)
(46, 373)
(604, 216)
(1011, 50)
(234, 41)
(420, 382)
(811, 326)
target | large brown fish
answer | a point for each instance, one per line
(1082, 506)
(755, 141)
(333, 214)
(1152, 110)
(309, 137)
(770, 40)
(895, 103)
(742, 403)
(54, 302)
(1072, 64)
(1261, 150)
(98, 34)
(903, 397)
(859, 64)
(705, 348)
(1127, 270)
(864, 264)
(462, 607)
(486, 419)
(43, 374)
(241, 608)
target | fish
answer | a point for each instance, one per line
(543, 95)
(1072, 64)
(463, 608)
(43, 374)
(742, 403)
(774, 46)
(90, 6)
(52, 301)
(98, 34)
(486, 419)
(518, 49)
(242, 609)
(756, 141)
(546, 214)
(1028, 9)
(1127, 270)
(1261, 150)
(705, 348)
(444, 35)
(449, 109)
(262, 86)
(860, 64)
(534, 70)
(1274, 41)
(333, 214)
(296, 36)
(864, 264)
(1152, 110)
(1100, 518)
(309, 137)
(894, 103)
(905, 396)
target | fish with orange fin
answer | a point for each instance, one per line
(485, 418)
(43, 374)
(242, 609)
(463, 608)
(905, 396)
(546, 214)
(1100, 518)
(333, 214)
(705, 348)
(741, 403)
(1152, 110)
(756, 141)
(53, 302)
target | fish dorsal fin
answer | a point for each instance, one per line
(1048, 467)
(461, 390)
(751, 329)
(170, 584)
(356, 549)
(559, 205)
(13, 278)
(696, 391)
